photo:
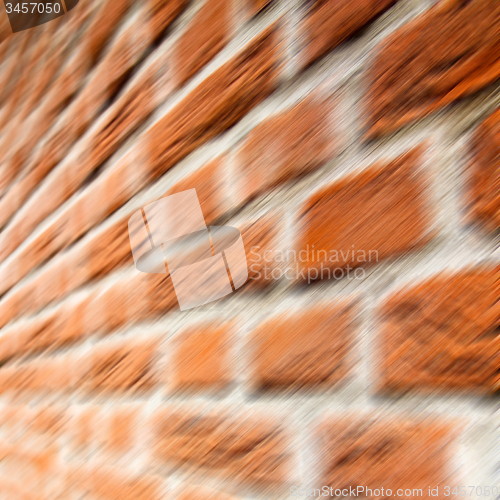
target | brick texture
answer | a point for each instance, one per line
(207, 35)
(415, 74)
(277, 113)
(202, 358)
(443, 333)
(248, 449)
(330, 22)
(372, 452)
(218, 103)
(285, 147)
(304, 350)
(484, 183)
(366, 217)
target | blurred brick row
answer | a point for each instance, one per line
(440, 334)
(383, 211)
(246, 447)
(105, 392)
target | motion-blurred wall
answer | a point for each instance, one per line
(356, 146)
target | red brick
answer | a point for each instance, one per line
(380, 213)
(129, 366)
(285, 147)
(443, 333)
(51, 421)
(193, 493)
(172, 138)
(304, 350)
(207, 34)
(330, 22)
(160, 294)
(84, 426)
(251, 449)
(111, 484)
(219, 102)
(262, 238)
(202, 357)
(255, 6)
(106, 18)
(161, 13)
(414, 74)
(125, 301)
(210, 184)
(484, 184)
(385, 451)
(123, 422)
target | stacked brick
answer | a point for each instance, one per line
(324, 131)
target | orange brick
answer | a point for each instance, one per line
(385, 451)
(262, 238)
(192, 493)
(443, 334)
(219, 102)
(382, 212)
(205, 37)
(109, 250)
(251, 449)
(330, 22)
(121, 435)
(413, 74)
(255, 6)
(201, 358)
(484, 184)
(162, 13)
(125, 366)
(84, 426)
(210, 184)
(285, 147)
(307, 349)
(112, 484)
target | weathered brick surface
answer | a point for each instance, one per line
(484, 182)
(202, 358)
(443, 334)
(285, 147)
(107, 389)
(127, 366)
(207, 35)
(262, 237)
(376, 451)
(202, 494)
(218, 103)
(210, 184)
(256, 6)
(415, 74)
(330, 22)
(379, 213)
(304, 350)
(246, 448)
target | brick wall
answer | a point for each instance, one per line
(355, 145)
